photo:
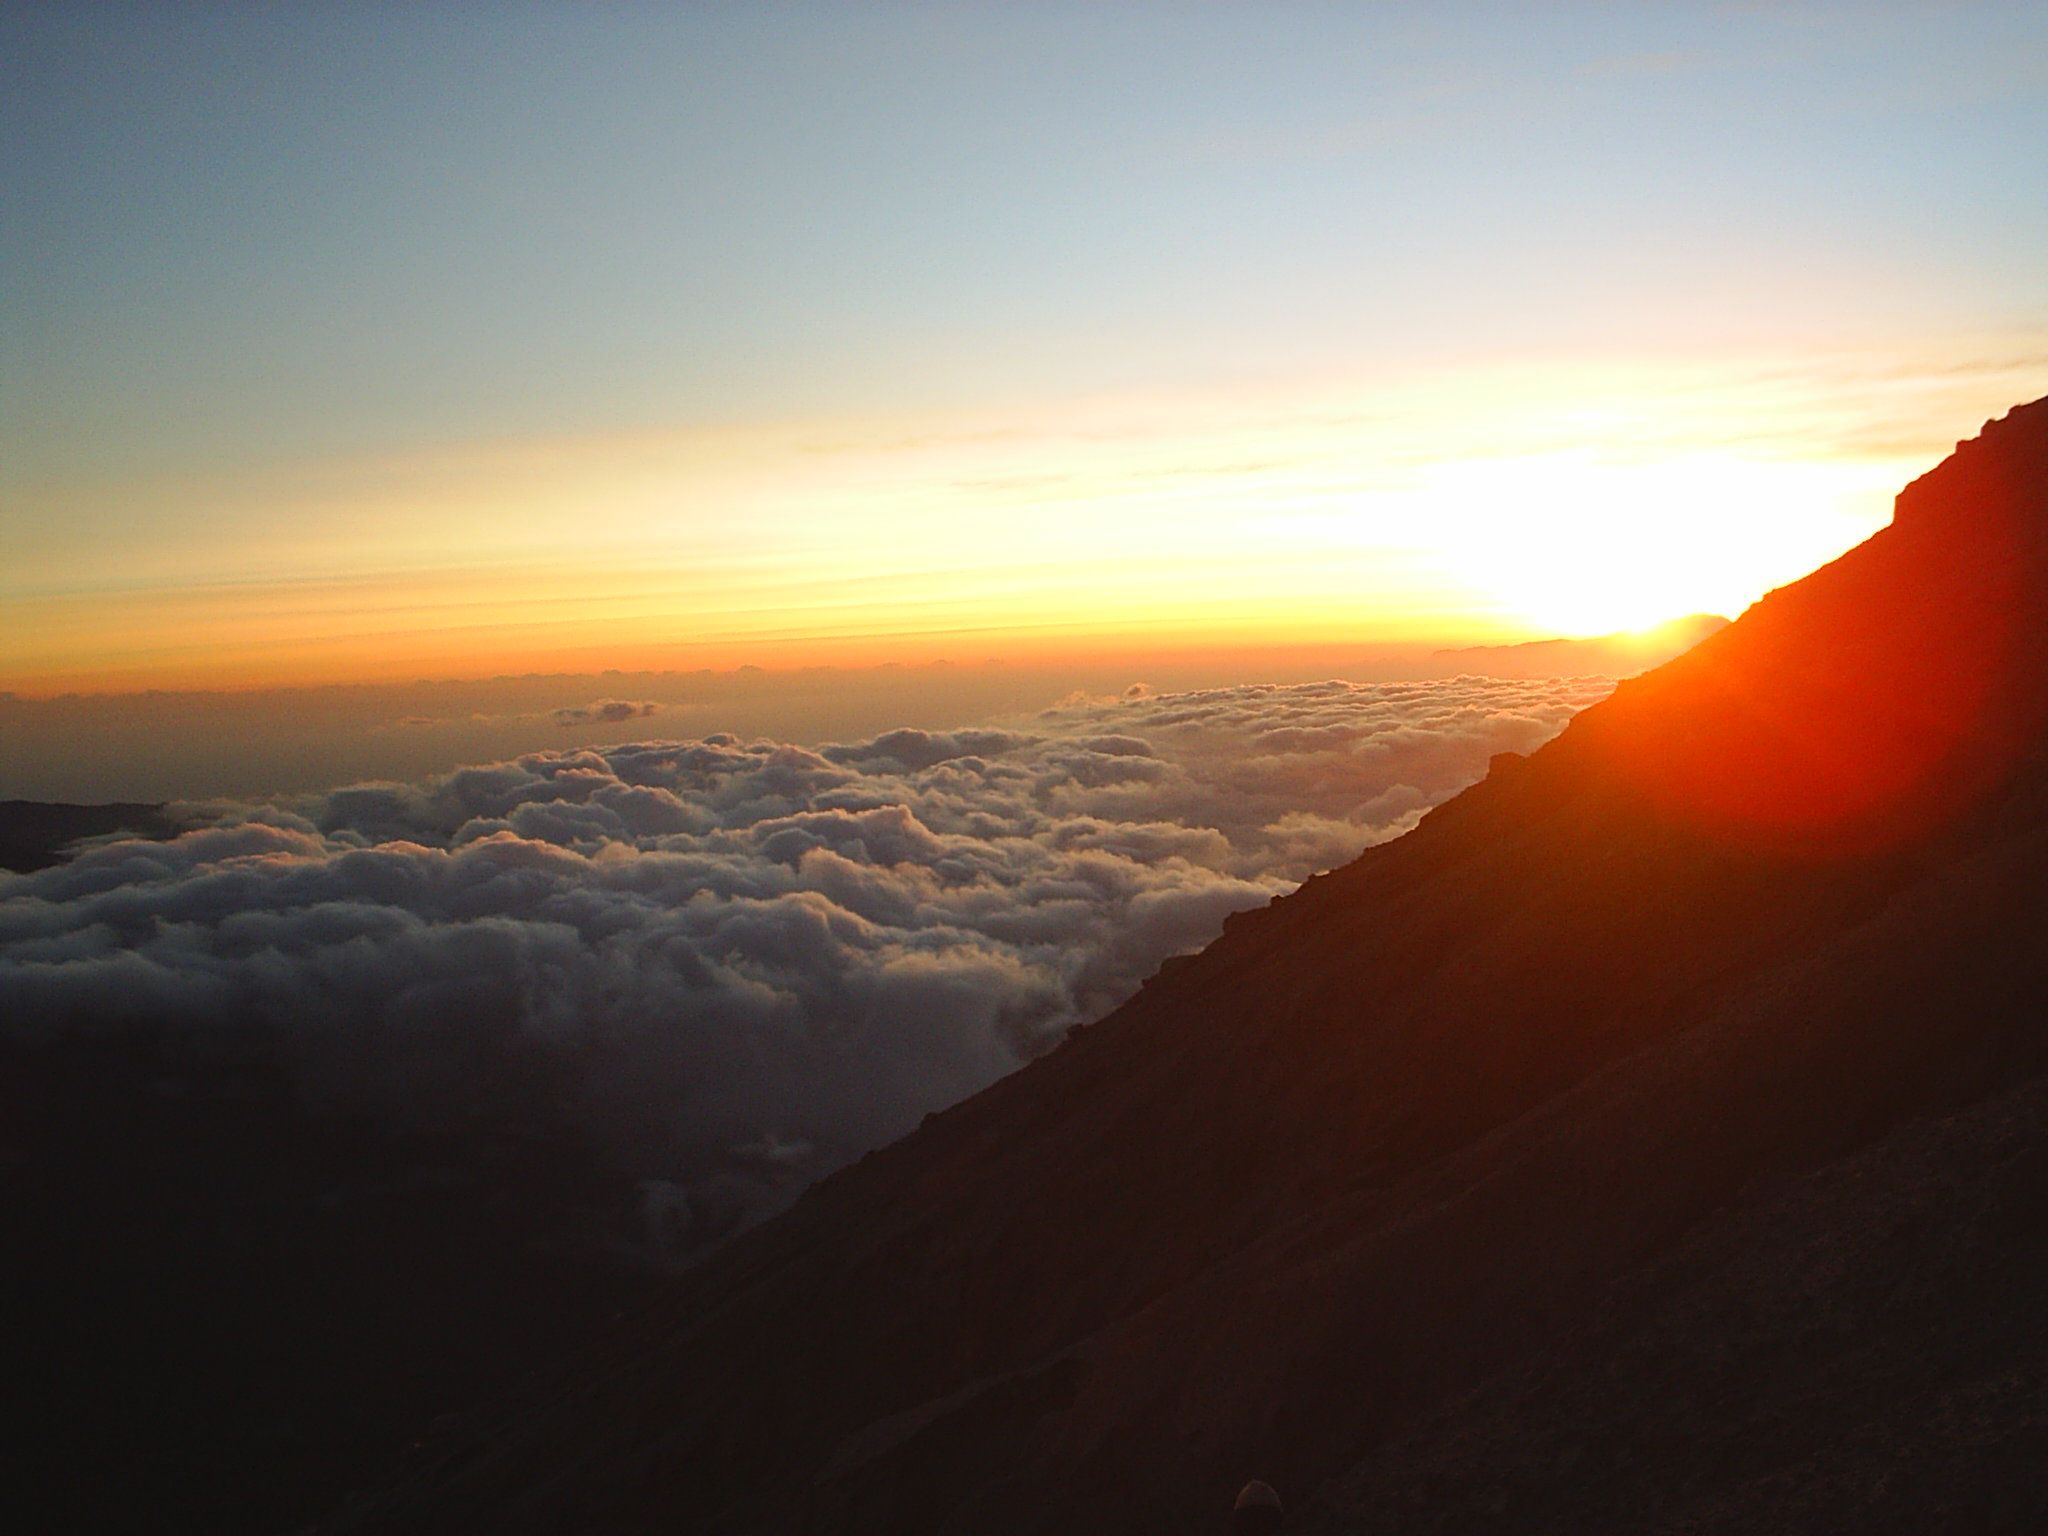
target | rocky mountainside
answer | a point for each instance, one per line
(1652, 1139)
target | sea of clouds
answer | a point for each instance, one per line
(734, 965)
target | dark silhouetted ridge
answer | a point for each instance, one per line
(34, 834)
(1650, 1141)
(1620, 655)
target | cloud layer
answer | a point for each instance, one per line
(606, 712)
(733, 965)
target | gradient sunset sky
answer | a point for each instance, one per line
(352, 342)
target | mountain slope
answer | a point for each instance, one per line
(1327, 1194)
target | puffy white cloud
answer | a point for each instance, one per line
(736, 964)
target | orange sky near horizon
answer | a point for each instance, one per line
(1465, 506)
(410, 342)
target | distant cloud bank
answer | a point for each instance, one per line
(606, 712)
(733, 965)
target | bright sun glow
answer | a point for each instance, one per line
(1574, 545)
(1480, 507)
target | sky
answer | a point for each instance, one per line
(354, 343)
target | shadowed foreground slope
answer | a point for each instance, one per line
(1651, 1139)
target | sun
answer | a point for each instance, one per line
(1569, 544)
(1590, 587)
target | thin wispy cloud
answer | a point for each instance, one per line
(606, 712)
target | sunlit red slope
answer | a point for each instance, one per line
(1883, 691)
(1594, 1115)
